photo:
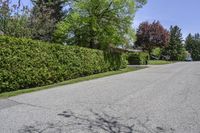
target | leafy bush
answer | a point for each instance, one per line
(25, 63)
(183, 55)
(138, 58)
(156, 53)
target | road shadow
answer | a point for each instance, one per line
(93, 123)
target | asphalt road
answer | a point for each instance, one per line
(160, 99)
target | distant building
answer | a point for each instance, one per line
(126, 50)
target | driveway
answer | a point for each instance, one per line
(160, 99)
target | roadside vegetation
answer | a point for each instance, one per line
(26, 63)
(53, 41)
(193, 46)
(159, 62)
(67, 82)
(175, 50)
(141, 58)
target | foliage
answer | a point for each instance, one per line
(151, 35)
(98, 23)
(72, 81)
(25, 63)
(140, 3)
(4, 15)
(14, 20)
(138, 58)
(156, 53)
(175, 49)
(93, 23)
(159, 62)
(193, 46)
(189, 43)
(44, 17)
(57, 7)
(37, 23)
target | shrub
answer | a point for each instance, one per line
(183, 55)
(156, 54)
(25, 63)
(138, 58)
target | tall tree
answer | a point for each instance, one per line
(189, 43)
(44, 16)
(151, 35)
(192, 44)
(197, 36)
(14, 19)
(4, 15)
(98, 23)
(55, 6)
(175, 49)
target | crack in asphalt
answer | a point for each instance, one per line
(6, 104)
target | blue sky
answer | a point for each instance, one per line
(184, 13)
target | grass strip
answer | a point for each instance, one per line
(159, 62)
(72, 81)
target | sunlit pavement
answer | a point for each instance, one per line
(164, 98)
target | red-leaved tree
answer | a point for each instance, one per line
(152, 35)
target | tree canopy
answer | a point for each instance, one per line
(175, 49)
(13, 19)
(98, 23)
(44, 17)
(90, 23)
(152, 35)
(193, 46)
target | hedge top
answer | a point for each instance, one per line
(25, 63)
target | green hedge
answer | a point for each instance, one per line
(138, 58)
(25, 63)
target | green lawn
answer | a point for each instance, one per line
(95, 76)
(159, 62)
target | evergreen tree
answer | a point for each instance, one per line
(189, 43)
(192, 44)
(14, 19)
(175, 49)
(44, 16)
(197, 36)
(55, 7)
(4, 16)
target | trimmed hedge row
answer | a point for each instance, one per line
(26, 63)
(138, 58)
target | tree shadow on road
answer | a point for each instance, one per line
(93, 123)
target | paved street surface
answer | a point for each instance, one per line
(160, 99)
